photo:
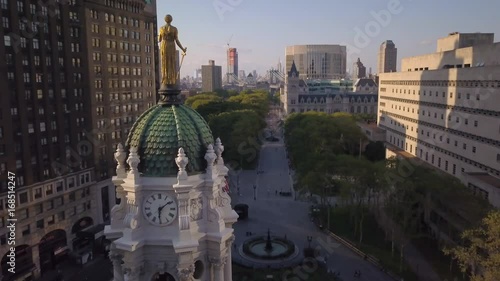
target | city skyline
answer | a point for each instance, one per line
(237, 20)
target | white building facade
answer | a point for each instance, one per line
(444, 109)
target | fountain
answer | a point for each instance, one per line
(267, 248)
(269, 245)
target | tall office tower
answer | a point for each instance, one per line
(317, 61)
(77, 74)
(387, 57)
(121, 40)
(211, 77)
(358, 70)
(232, 65)
(43, 114)
(443, 109)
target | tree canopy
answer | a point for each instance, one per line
(238, 119)
(479, 256)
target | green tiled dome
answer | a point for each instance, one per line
(159, 133)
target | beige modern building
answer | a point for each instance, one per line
(211, 76)
(444, 109)
(317, 61)
(387, 57)
(330, 96)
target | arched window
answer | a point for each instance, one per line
(106, 17)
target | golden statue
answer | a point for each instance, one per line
(168, 38)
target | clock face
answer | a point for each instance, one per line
(160, 209)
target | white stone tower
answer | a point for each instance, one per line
(174, 221)
(292, 89)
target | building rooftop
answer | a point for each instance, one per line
(486, 178)
(371, 126)
(388, 43)
(363, 82)
(159, 133)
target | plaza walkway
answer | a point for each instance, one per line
(285, 216)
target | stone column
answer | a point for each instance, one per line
(35, 254)
(228, 270)
(116, 259)
(218, 267)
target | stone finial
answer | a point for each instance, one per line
(210, 156)
(133, 161)
(219, 148)
(120, 156)
(181, 160)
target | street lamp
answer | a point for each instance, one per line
(254, 191)
(309, 239)
(238, 183)
(328, 208)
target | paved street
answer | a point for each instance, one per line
(285, 216)
(99, 269)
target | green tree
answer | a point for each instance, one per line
(375, 151)
(361, 183)
(479, 257)
(201, 99)
(239, 129)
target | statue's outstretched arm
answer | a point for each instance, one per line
(179, 42)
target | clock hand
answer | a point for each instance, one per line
(168, 203)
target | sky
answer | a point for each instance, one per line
(261, 29)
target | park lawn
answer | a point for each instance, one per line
(439, 261)
(248, 274)
(374, 243)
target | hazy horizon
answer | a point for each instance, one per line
(261, 30)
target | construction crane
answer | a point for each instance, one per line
(229, 41)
